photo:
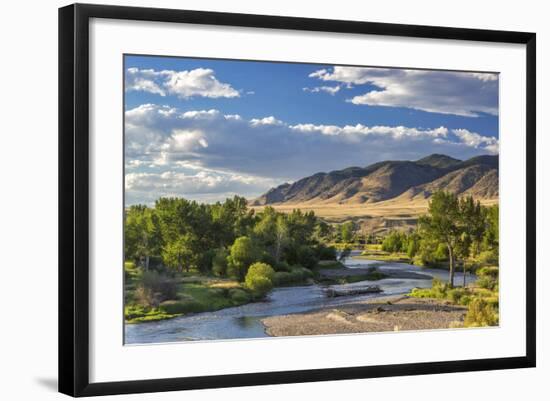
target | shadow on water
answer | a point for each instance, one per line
(246, 322)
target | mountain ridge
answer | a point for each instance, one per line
(392, 179)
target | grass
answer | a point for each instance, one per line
(482, 303)
(393, 209)
(375, 252)
(330, 264)
(297, 275)
(195, 293)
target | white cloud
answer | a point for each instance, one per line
(146, 187)
(266, 121)
(199, 82)
(168, 139)
(458, 93)
(473, 139)
(331, 90)
(360, 129)
(143, 80)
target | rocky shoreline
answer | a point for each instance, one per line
(394, 313)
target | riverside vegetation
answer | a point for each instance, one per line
(455, 232)
(184, 257)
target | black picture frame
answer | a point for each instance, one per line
(74, 198)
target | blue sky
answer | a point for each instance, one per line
(207, 129)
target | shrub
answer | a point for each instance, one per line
(480, 313)
(488, 257)
(259, 278)
(488, 277)
(155, 288)
(488, 271)
(306, 257)
(326, 252)
(239, 296)
(282, 278)
(456, 294)
(296, 275)
(282, 267)
(267, 258)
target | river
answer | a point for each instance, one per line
(245, 321)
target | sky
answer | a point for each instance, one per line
(207, 129)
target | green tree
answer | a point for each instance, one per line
(394, 242)
(347, 231)
(178, 254)
(242, 254)
(323, 231)
(442, 224)
(259, 279)
(219, 262)
(473, 227)
(281, 236)
(413, 244)
(142, 236)
(490, 241)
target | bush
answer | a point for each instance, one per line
(259, 278)
(456, 294)
(155, 288)
(488, 257)
(394, 242)
(488, 277)
(480, 313)
(296, 275)
(282, 267)
(282, 278)
(488, 271)
(239, 296)
(326, 252)
(267, 258)
(306, 257)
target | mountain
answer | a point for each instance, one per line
(406, 180)
(439, 161)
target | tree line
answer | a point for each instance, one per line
(455, 230)
(224, 238)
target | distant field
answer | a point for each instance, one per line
(377, 216)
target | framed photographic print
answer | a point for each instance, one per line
(249, 199)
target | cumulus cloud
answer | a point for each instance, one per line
(360, 129)
(200, 82)
(210, 185)
(160, 137)
(473, 139)
(266, 121)
(458, 93)
(331, 90)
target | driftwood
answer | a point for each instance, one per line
(371, 289)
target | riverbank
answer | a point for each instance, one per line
(375, 252)
(395, 313)
(151, 297)
(194, 292)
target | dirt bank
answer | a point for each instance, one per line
(381, 314)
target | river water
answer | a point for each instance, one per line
(245, 321)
